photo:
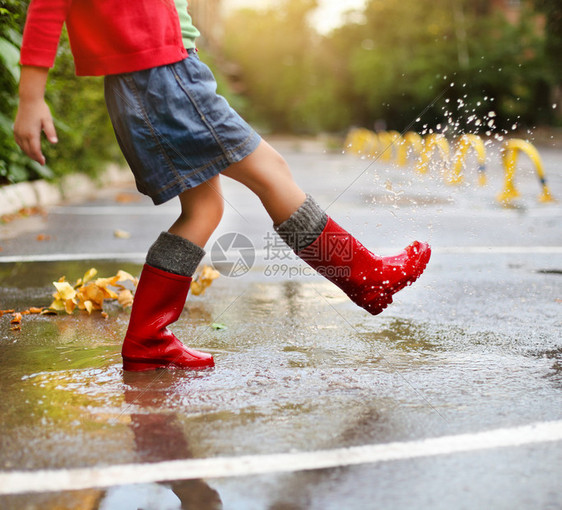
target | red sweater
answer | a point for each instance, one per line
(106, 36)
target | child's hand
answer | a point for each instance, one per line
(32, 118)
(33, 115)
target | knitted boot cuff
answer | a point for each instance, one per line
(174, 254)
(304, 226)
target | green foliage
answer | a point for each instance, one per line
(282, 67)
(78, 107)
(86, 139)
(454, 61)
(14, 166)
(552, 10)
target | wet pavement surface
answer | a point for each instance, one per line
(474, 345)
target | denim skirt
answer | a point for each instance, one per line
(175, 131)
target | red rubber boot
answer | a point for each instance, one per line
(149, 344)
(369, 280)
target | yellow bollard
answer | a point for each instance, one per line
(465, 142)
(371, 145)
(349, 139)
(387, 141)
(410, 140)
(511, 151)
(361, 142)
(430, 143)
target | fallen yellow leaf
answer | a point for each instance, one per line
(89, 294)
(204, 280)
(89, 274)
(69, 306)
(196, 288)
(57, 304)
(88, 305)
(121, 234)
(208, 273)
(124, 276)
(64, 290)
(125, 298)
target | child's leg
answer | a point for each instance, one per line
(165, 281)
(369, 280)
(268, 175)
(180, 250)
(201, 212)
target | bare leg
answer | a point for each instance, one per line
(201, 211)
(164, 285)
(267, 174)
(369, 280)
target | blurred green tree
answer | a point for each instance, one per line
(454, 60)
(14, 166)
(288, 78)
(86, 137)
(552, 10)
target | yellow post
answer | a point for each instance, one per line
(361, 142)
(430, 143)
(348, 142)
(411, 140)
(371, 144)
(353, 140)
(466, 142)
(511, 151)
(388, 140)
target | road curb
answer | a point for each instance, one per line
(15, 197)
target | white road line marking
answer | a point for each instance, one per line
(496, 250)
(115, 211)
(64, 257)
(438, 250)
(18, 482)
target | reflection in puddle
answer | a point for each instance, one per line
(189, 494)
(293, 372)
(555, 373)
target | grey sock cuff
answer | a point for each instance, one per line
(174, 254)
(304, 226)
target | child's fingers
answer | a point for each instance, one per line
(32, 147)
(30, 144)
(50, 131)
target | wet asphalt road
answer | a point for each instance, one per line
(474, 345)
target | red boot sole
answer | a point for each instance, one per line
(419, 267)
(143, 365)
(377, 306)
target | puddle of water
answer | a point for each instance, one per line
(294, 371)
(22, 275)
